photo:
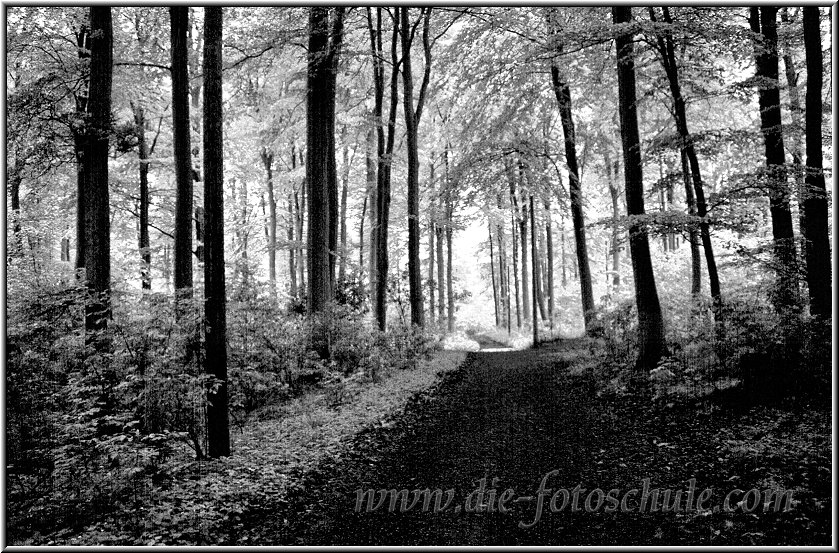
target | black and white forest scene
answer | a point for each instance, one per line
(418, 275)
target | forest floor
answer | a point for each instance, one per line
(515, 416)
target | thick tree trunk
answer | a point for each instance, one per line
(179, 18)
(335, 37)
(143, 238)
(317, 159)
(763, 23)
(97, 207)
(651, 340)
(815, 200)
(215, 298)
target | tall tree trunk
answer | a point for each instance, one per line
(695, 259)
(651, 340)
(342, 263)
(538, 277)
(14, 178)
(300, 203)
(668, 59)
(215, 298)
(290, 233)
(334, 39)
(563, 97)
(449, 276)
(385, 151)
(97, 207)
(614, 193)
(797, 124)
(441, 273)
(80, 136)
(815, 200)
(372, 194)
(492, 272)
(268, 163)
(763, 23)
(317, 159)
(179, 18)
(514, 242)
(534, 270)
(143, 238)
(431, 231)
(412, 117)
(525, 278)
(549, 246)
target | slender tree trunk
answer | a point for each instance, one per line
(668, 58)
(516, 266)
(411, 122)
(815, 199)
(268, 162)
(492, 271)
(300, 201)
(449, 276)
(215, 298)
(695, 259)
(534, 270)
(525, 279)
(290, 235)
(797, 124)
(342, 263)
(614, 193)
(441, 273)
(179, 18)
(431, 232)
(372, 194)
(318, 112)
(143, 239)
(549, 246)
(538, 277)
(80, 137)
(763, 23)
(563, 97)
(651, 340)
(14, 178)
(97, 207)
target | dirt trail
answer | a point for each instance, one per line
(516, 416)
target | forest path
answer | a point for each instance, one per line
(517, 416)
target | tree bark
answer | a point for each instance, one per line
(179, 20)
(695, 259)
(515, 263)
(215, 299)
(668, 59)
(268, 163)
(797, 124)
(549, 245)
(614, 193)
(342, 263)
(563, 97)
(431, 231)
(651, 338)
(80, 137)
(492, 272)
(449, 277)
(317, 159)
(335, 37)
(763, 23)
(97, 207)
(534, 271)
(143, 238)
(372, 193)
(815, 200)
